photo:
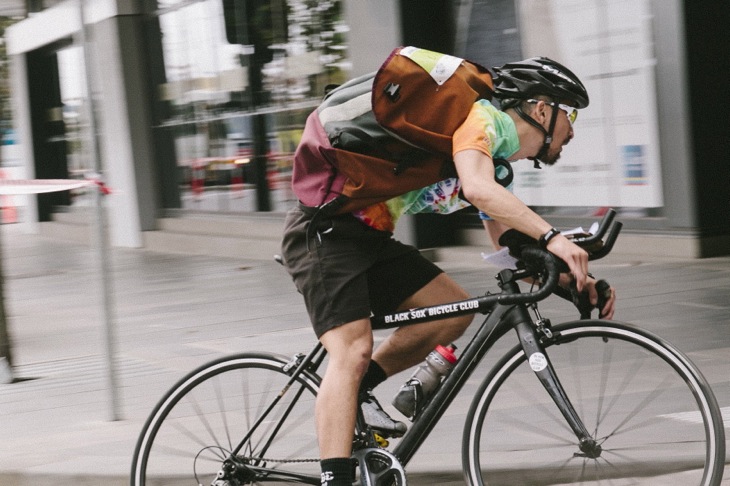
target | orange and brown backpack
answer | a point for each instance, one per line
(388, 132)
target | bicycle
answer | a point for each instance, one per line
(611, 402)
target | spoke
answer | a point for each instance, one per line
(606, 364)
(634, 427)
(173, 451)
(538, 430)
(276, 430)
(245, 397)
(563, 466)
(660, 390)
(650, 445)
(548, 411)
(253, 444)
(223, 413)
(203, 419)
(617, 455)
(215, 459)
(583, 468)
(191, 435)
(632, 372)
(577, 374)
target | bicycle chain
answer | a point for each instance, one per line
(266, 459)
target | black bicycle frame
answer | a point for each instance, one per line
(502, 317)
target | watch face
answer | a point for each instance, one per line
(545, 239)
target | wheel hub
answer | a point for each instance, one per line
(590, 448)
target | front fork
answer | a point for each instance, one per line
(531, 336)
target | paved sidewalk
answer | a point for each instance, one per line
(174, 312)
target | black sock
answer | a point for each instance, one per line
(337, 471)
(374, 376)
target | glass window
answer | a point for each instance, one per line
(208, 92)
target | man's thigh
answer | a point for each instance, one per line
(397, 277)
(441, 290)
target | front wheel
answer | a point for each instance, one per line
(643, 401)
(238, 410)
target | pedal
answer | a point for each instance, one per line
(382, 441)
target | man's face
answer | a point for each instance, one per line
(562, 134)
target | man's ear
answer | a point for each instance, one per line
(540, 112)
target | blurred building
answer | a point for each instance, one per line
(199, 104)
(13, 8)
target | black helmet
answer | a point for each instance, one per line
(539, 76)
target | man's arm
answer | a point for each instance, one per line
(476, 173)
(495, 229)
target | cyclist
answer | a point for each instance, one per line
(347, 266)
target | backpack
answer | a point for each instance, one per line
(386, 133)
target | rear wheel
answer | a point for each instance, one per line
(646, 404)
(240, 402)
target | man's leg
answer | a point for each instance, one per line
(349, 348)
(409, 345)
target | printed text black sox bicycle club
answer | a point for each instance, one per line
(432, 311)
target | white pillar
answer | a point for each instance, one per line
(124, 113)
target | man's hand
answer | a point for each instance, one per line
(609, 307)
(574, 256)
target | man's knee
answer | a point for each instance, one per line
(350, 346)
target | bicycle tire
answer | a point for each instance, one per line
(203, 417)
(650, 407)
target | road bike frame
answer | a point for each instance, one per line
(501, 318)
(505, 311)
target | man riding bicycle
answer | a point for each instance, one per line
(348, 266)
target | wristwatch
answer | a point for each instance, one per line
(545, 239)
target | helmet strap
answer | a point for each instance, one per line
(547, 133)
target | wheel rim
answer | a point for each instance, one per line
(647, 419)
(197, 426)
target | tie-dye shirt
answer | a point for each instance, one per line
(486, 129)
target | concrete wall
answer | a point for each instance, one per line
(374, 32)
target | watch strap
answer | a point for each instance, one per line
(549, 235)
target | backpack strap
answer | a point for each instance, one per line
(505, 176)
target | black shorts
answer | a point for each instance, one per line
(348, 270)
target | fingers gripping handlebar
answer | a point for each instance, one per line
(604, 294)
(582, 302)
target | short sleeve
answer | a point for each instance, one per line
(473, 133)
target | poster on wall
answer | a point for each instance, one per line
(613, 160)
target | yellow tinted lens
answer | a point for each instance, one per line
(572, 115)
(571, 112)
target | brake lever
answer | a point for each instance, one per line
(582, 301)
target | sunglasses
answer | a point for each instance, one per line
(571, 112)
